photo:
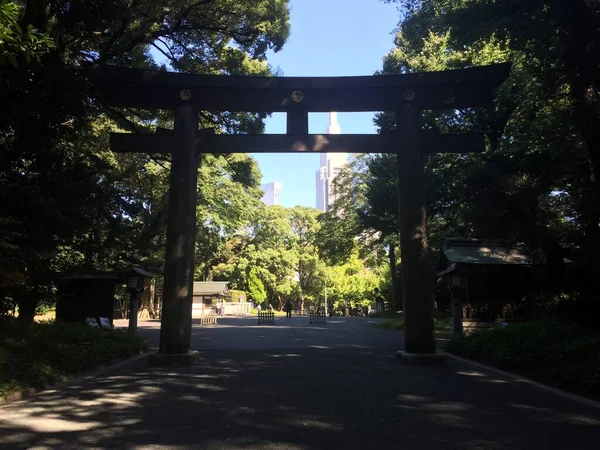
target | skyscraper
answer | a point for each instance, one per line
(330, 165)
(272, 194)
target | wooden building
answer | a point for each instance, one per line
(491, 280)
(206, 295)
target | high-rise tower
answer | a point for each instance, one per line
(272, 193)
(330, 165)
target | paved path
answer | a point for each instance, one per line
(294, 386)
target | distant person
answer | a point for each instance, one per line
(288, 309)
(270, 308)
(330, 307)
(259, 307)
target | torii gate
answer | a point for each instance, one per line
(407, 95)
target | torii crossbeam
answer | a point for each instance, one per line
(407, 95)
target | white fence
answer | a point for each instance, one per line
(236, 308)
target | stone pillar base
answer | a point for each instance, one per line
(174, 360)
(422, 359)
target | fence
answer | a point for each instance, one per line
(208, 320)
(317, 317)
(266, 317)
(236, 308)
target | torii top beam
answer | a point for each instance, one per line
(453, 89)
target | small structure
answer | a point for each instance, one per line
(206, 296)
(87, 294)
(489, 281)
(90, 294)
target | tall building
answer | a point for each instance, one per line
(272, 194)
(330, 165)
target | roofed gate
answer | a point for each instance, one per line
(187, 94)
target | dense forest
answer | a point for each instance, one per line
(68, 202)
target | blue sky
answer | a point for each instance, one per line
(328, 38)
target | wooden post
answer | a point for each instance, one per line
(457, 322)
(394, 277)
(417, 291)
(133, 311)
(176, 320)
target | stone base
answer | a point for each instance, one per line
(173, 360)
(422, 359)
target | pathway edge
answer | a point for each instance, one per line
(573, 397)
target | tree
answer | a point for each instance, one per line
(256, 289)
(536, 182)
(53, 133)
(19, 41)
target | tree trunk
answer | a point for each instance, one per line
(394, 278)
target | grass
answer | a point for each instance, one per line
(442, 325)
(562, 354)
(254, 312)
(44, 353)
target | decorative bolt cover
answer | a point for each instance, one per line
(297, 96)
(409, 95)
(185, 95)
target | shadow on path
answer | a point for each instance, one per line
(299, 399)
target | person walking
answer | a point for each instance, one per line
(288, 309)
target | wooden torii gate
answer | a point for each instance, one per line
(407, 95)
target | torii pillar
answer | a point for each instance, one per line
(176, 320)
(417, 292)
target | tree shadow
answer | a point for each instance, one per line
(298, 399)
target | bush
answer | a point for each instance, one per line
(43, 353)
(555, 352)
(441, 322)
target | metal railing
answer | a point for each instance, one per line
(266, 317)
(317, 317)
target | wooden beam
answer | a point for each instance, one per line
(162, 142)
(297, 121)
(454, 89)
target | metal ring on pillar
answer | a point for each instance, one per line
(185, 95)
(297, 96)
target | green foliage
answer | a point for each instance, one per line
(43, 353)
(235, 295)
(441, 323)
(256, 288)
(69, 202)
(535, 183)
(352, 284)
(17, 41)
(559, 353)
(391, 324)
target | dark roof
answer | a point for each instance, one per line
(207, 288)
(92, 274)
(483, 251)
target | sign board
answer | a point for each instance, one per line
(92, 322)
(105, 323)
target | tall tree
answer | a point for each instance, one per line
(537, 181)
(62, 201)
